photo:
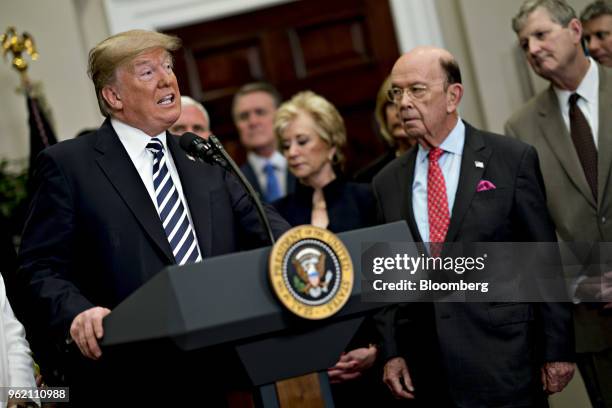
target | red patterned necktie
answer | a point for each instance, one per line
(437, 203)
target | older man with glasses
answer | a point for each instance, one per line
(465, 185)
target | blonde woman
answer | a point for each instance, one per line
(311, 135)
(391, 130)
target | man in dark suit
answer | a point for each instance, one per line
(466, 354)
(266, 169)
(114, 207)
(570, 126)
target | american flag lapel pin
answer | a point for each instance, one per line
(479, 164)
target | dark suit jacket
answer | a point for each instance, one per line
(366, 174)
(349, 205)
(93, 235)
(250, 175)
(489, 354)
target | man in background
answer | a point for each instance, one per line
(597, 24)
(570, 126)
(466, 354)
(253, 111)
(194, 118)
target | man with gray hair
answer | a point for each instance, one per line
(597, 22)
(446, 354)
(569, 125)
(113, 208)
(194, 118)
(253, 110)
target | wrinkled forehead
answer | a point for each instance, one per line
(538, 20)
(147, 57)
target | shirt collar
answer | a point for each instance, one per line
(258, 162)
(587, 88)
(452, 144)
(134, 140)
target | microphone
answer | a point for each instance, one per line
(211, 151)
(202, 149)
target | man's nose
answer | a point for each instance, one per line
(252, 119)
(405, 102)
(165, 79)
(533, 47)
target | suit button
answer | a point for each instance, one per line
(603, 220)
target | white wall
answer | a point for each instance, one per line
(57, 29)
(502, 80)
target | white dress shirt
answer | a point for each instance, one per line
(280, 170)
(135, 142)
(588, 101)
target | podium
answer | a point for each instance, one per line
(227, 300)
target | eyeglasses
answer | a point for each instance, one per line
(418, 91)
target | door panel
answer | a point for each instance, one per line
(341, 49)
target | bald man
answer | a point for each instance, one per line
(466, 354)
(194, 118)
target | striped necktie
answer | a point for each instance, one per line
(171, 209)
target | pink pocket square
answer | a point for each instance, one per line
(485, 185)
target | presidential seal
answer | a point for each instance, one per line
(311, 272)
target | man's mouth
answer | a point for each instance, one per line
(166, 100)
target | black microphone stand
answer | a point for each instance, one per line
(220, 156)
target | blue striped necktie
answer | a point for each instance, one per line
(171, 209)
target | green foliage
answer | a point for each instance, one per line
(13, 190)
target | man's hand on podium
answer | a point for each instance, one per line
(352, 364)
(86, 329)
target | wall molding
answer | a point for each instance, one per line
(416, 21)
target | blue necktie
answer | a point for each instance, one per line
(272, 187)
(171, 210)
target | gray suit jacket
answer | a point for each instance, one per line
(576, 215)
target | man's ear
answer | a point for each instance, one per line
(112, 97)
(575, 26)
(454, 94)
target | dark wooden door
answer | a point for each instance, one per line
(341, 49)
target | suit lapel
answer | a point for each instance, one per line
(120, 171)
(404, 178)
(605, 132)
(250, 175)
(291, 182)
(474, 150)
(553, 127)
(196, 193)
